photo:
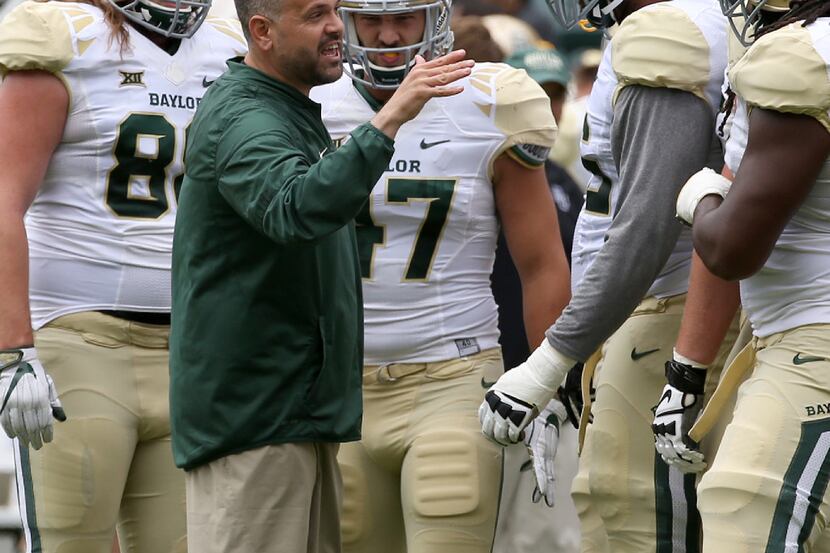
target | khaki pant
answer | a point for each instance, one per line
(274, 499)
(628, 499)
(766, 490)
(423, 479)
(111, 462)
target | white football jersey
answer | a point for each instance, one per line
(677, 44)
(601, 194)
(427, 236)
(732, 125)
(101, 227)
(734, 136)
(787, 70)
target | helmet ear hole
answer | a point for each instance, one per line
(173, 18)
(436, 39)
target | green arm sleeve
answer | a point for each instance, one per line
(270, 183)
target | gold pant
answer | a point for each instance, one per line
(423, 479)
(111, 462)
(628, 499)
(766, 490)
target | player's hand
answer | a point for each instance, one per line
(542, 439)
(515, 399)
(426, 80)
(675, 414)
(699, 185)
(571, 395)
(28, 398)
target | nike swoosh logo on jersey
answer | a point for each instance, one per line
(799, 360)
(635, 355)
(427, 145)
(206, 83)
(486, 385)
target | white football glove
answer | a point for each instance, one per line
(28, 399)
(699, 185)
(514, 400)
(677, 411)
(542, 439)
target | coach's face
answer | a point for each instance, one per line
(303, 43)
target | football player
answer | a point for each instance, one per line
(662, 71)
(767, 487)
(712, 302)
(423, 478)
(95, 104)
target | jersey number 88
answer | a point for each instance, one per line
(132, 165)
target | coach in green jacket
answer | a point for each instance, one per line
(267, 325)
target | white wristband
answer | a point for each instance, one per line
(536, 380)
(699, 185)
(550, 366)
(680, 358)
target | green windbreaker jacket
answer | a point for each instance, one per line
(266, 342)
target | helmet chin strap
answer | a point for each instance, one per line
(392, 75)
(389, 76)
(384, 69)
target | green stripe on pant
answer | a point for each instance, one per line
(675, 509)
(803, 489)
(29, 516)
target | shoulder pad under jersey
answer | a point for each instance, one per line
(41, 35)
(519, 108)
(661, 47)
(783, 71)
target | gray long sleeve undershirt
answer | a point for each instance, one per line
(660, 137)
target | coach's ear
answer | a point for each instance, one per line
(261, 30)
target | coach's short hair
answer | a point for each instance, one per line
(246, 9)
